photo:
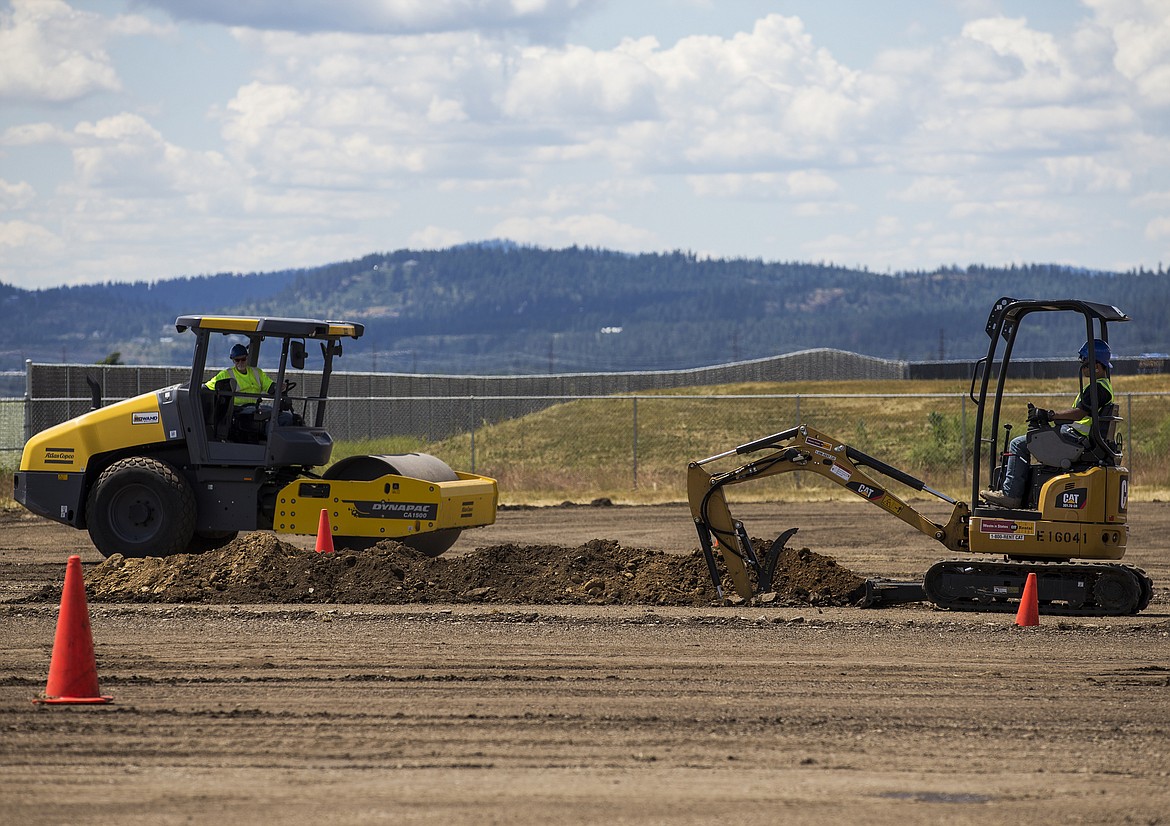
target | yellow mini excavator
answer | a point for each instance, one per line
(1071, 520)
(185, 468)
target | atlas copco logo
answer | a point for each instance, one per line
(1074, 499)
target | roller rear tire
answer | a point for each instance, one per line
(141, 507)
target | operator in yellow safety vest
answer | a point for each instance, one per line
(247, 379)
(1077, 420)
(244, 379)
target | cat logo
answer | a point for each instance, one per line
(1074, 499)
(868, 491)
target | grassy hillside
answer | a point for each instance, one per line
(583, 450)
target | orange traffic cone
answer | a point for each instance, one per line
(324, 534)
(73, 669)
(1029, 610)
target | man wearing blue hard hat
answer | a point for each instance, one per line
(247, 379)
(244, 378)
(1078, 419)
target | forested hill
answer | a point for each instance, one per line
(501, 309)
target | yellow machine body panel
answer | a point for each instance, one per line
(67, 447)
(388, 507)
(1082, 516)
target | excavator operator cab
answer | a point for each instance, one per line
(1057, 449)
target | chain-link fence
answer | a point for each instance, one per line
(626, 445)
(52, 393)
(639, 446)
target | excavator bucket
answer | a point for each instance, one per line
(720, 533)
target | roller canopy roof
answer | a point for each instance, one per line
(290, 327)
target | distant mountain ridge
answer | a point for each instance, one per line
(500, 308)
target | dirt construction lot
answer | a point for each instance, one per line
(623, 698)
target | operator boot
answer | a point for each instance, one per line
(999, 499)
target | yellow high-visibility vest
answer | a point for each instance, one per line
(251, 380)
(1104, 397)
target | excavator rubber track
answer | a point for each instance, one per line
(1094, 589)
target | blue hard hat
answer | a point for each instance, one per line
(1101, 353)
(238, 351)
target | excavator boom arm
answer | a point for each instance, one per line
(800, 449)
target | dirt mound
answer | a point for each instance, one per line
(260, 568)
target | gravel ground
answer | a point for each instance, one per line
(589, 707)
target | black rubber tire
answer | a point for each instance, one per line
(1117, 591)
(416, 466)
(141, 507)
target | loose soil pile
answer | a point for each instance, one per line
(260, 568)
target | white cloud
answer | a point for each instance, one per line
(931, 189)
(461, 120)
(345, 108)
(1158, 200)
(125, 153)
(756, 99)
(606, 195)
(1141, 32)
(432, 237)
(576, 84)
(53, 52)
(383, 16)
(16, 234)
(15, 196)
(34, 134)
(1086, 174)
(1158, 228)
(593, 230)
(390, 108)
(805, 184)
(823, 209)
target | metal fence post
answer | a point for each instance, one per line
(797, 481)
(963, 435)
(27, 400)
(348, 414)
(472, 434)
(1129, 427)
(635, 442)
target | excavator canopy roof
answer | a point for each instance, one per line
(289, 327)
(1011, 310)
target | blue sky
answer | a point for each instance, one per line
(151, 139)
